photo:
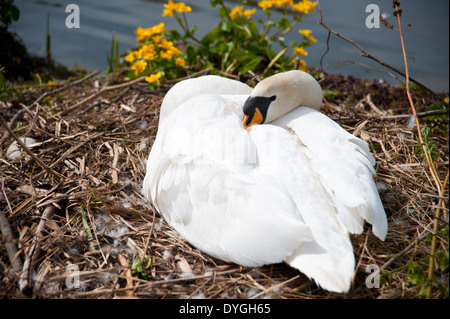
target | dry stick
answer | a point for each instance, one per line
(420, 114)
(10, 245)
(33, 252)
(393, 259)
(18, 114)
(66, 87)
(369, 68)
(440, 188)
(147, 244)
(411, 103)
(67, 153)
(37, 159)
(433, 239)
(366, 54)
(274, 287)
(101, 91)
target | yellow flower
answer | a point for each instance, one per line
(157, 29)
(157, 39)
(236, 11)
(170, 49)
(165, 54)
(181, 7)
(265, 4)
(148, 52)
(143, 34)
(302, 66)
(283, 3)
(171, 7)
(307, 34)
(153, 77)
(133, 56)
(312, 39)
(180, 62)
(300, 51)
(446, 99)
(248, 13)
(239, 10)
(52, 84)
(305, 6)
(139, 67)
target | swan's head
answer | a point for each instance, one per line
(279, 94)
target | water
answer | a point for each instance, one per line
(426, 40)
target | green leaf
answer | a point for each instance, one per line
(174, 35)
(283, 23)
(138, 269)
(214, 3)
(251, 65)
(417, 276)
(191, 54)
(211, 36)
(423, 291)
(224, 12)
(442, 257)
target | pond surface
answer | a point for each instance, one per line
(427, 39)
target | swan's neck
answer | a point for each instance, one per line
(292, 90)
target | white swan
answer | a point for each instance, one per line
(290, 191)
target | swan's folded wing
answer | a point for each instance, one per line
(345, 166)
(328, 258)
(197, 179)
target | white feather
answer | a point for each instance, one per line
(286, 191)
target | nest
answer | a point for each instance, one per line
(75, 224)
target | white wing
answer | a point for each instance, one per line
(328, 258)
(345, 166)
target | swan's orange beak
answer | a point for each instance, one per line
(257, 118)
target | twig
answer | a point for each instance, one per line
(70, 151)
(22, 144)
(36, 102)
(274, 287)
(411, 103)
(87, 228)
(419, 115)
(440, 188)
(9, 240)
(328, 45)
(366, 54)
(33, 252)
(433, 239)
(413, 244)
(43, 96)
(99, 92)
(369, 68)
(147, 244)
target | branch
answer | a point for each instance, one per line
(366, 54)
(10, 240)
(440, 187)
(26, 149)
(101, 91)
